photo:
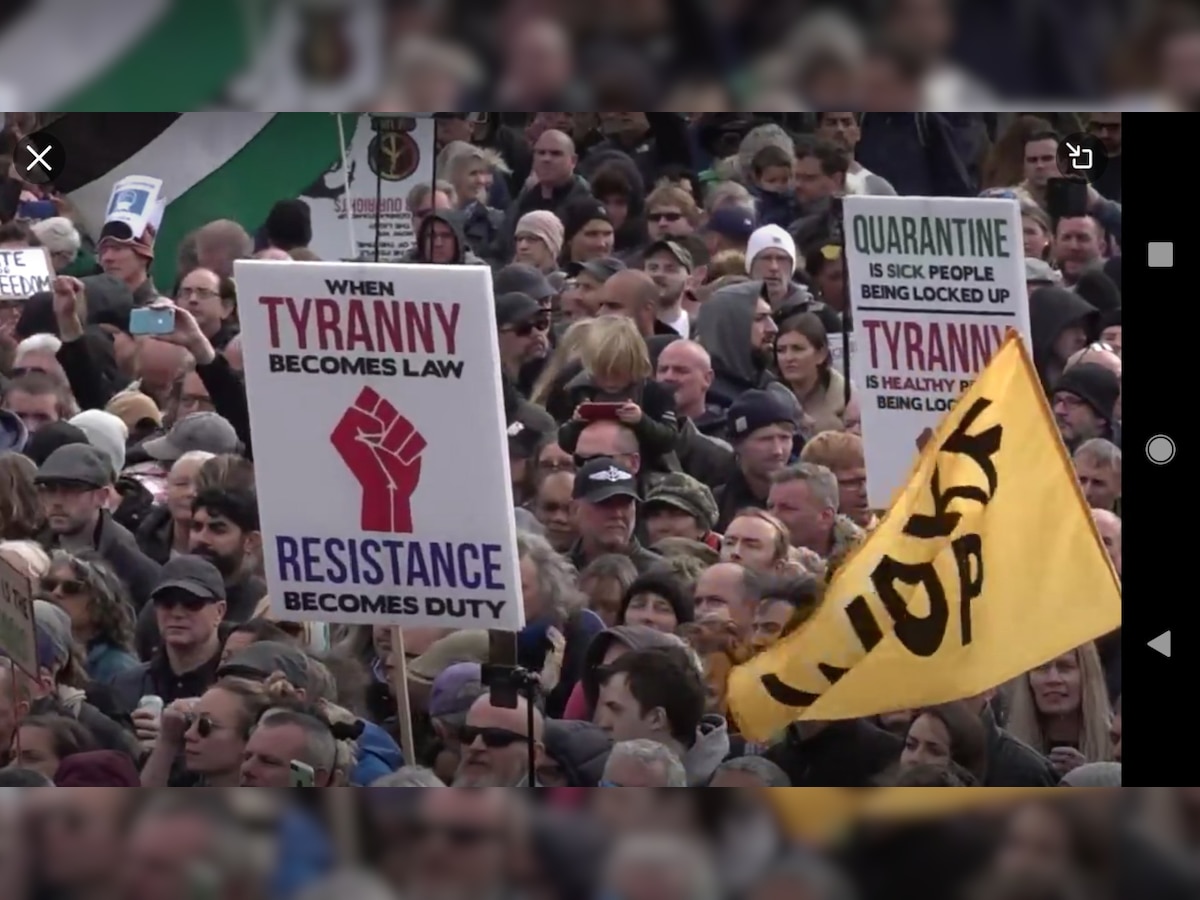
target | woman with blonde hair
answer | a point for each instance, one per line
(1061, 709)
(471, 170)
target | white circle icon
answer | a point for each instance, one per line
(1160, 449)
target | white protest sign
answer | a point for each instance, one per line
(18, 636)
(23, 273)
(379, 438)
(136, 201)
(388, 156)
(935, 283)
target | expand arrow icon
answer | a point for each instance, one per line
(1162, 644)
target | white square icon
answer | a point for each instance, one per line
(1161, 254)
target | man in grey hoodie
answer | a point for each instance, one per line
(659, 695)
(735, 326)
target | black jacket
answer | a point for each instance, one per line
(156, 534)
(1011, 762)
(707, 459)
(852, 754)
(733, 495)
(120, 550)
(156, 677)
(228, 394)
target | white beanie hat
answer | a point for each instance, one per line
(58, 234)
(106, 433)
(766, 238)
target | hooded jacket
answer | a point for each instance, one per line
(631, 236)
(723, 328)
(463, 254)
(377, 755)
(483, 228)
(587, 691)
(1051, 311)
(580, 748)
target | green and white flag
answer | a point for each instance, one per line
(97, 55)
(236, 165)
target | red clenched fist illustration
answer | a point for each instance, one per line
(383, 450)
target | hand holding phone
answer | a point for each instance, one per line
(152, 321)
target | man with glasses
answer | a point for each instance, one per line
(524, 332)
(671, 212)
(495, 745)
(210, 299)
(189, 606)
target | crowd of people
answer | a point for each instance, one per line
(498, 844)
(686, 459)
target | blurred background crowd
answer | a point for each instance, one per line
(710, 55)
(492, 844)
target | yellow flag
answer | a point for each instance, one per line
(987, 565)
(819, 815)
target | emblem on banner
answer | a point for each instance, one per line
(393, 154)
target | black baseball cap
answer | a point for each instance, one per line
(603, 478)
(193, 574)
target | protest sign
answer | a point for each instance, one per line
(987, 566)
(379, 438)
(934, 283)
(137, 202)
(17, 633)
(23, 273)
(387, 157)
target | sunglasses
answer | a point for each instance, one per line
(456, 835)
(665, 216)
(525, 329)
(493, 738)
(19, 371)
(187, 601)
(831, 252)
(72, 587)
(203, 723)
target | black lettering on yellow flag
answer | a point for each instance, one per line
(987, 565)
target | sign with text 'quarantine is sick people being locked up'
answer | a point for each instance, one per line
(380, 443)
(935, 284)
